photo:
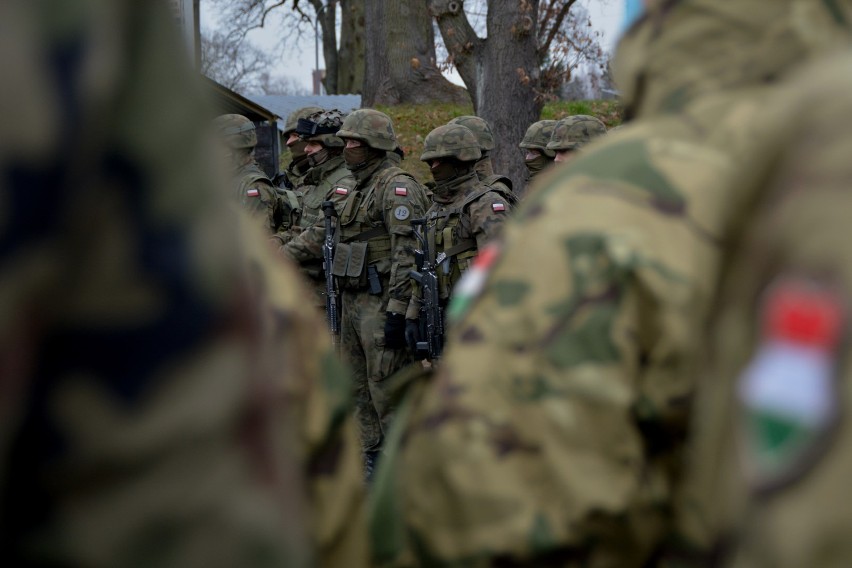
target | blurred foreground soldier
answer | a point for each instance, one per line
(168, 400)
(299, 163)
(536, 155)
(372, 260)
(251, 188)
(554, 431)
(484, 168)
(572, 133)
(327, 180)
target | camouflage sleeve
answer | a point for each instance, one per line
(403, 199)
(486, 216)
(532, 442)
(308, 245)
(160, 402)
(261, 201)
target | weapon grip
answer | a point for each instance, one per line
(328, 209)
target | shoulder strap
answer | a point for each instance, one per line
(386, 174)
(493, 181)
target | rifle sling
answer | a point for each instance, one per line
(459, 248)
(367, 235)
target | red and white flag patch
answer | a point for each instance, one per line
(401, 191)
(341, 191)
(498, 206)
(253, 192)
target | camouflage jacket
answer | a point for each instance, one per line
(554, 430)
(330, 181)
(256, 193)
(168, 396)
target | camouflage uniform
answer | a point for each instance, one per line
(554, 430)
(167, 399)
(251, 188)
(484, 168)
(372, 261)
(465, 213)
(573, 132)
(298, 167)
(536, 138)
(327, 180)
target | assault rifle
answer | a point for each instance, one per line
(431, 315)
(328, 263)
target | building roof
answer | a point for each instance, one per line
(283, 105)
(228, 101)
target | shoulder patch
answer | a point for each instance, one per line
(402, 213)
(253, 192)
(788, 392)
(341, 191)
(472, 282)
(400, 191)
(498, 206)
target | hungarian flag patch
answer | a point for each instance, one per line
(341, 191)
(498, 206)
(473, 281)
(253, 192)
(401, 191)
(788, 392)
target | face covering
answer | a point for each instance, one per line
(356, 158)
(443, 171)
(537, 164)
(320, 157)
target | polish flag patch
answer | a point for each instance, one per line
(252, 192)
(401, 191)
(341, 191)
(498, 206)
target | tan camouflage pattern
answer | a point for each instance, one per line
(573, 132)
(293, 118)
(554, 429)
(538, 136)
(257, 195)
(451, 141)
(480, 129)
(372, 127)
(236, 130)
(168, 400)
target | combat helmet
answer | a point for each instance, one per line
(293, 118)
(451, 141)
(373, 128)
(236, 130)
(480, 129)
(322, 127)
(538, 135)
(572, 132)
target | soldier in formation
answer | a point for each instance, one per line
(168, 398)
(372, 261)
(572, 133)
(251, 187)
(299, 163)
(484, 167)
(537, 157)
(328, 179)
(555, 429)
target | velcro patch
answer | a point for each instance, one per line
(401, 191)
(498, 206)
(341, 191)
(253, 192)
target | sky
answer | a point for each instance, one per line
(297, 61)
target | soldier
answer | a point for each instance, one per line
(572, 133)
(554, 430)
(328, 179)
(484, 168)
(167, 398)
(299, 164)
(536, 155)
(372, 262)
(251, 188)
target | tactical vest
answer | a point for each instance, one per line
(454, 247)
(362, 241)
(312, 196)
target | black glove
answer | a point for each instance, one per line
(412, 334)
(395, 331)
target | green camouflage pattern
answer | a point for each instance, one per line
(480, 129)
(538, 136)
(327, 118)
(574, 132)
(554, 430)
(451, 141)
(236, 130)
(257, 195)
(373, 128)
(168, 399)
(293, 118)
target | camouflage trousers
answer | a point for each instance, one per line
(362, 345)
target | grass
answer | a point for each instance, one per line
(413, 122)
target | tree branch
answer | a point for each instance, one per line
(460, 39)
(560, 18)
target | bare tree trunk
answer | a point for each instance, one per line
(501, 71)
(400, 56)
(350, 57)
